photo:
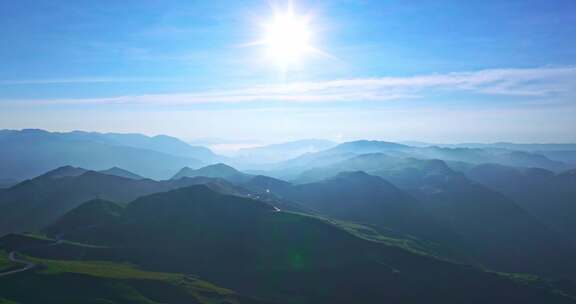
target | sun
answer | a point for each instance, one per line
(287, 38)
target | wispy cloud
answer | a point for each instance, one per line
(531, 82)
(85, 80)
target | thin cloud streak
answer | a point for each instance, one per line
(532, 82)
(84, 80)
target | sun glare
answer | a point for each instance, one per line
(287, 38)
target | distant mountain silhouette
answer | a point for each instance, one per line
(283, 151)
(558, 152)
(346, 150)
(499, 156)
(160, 143)
(534, 147)
(291, 169)
(367, 146)
(28, 153)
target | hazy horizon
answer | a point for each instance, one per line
(231, 146)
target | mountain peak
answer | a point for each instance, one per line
(64, 171)
(89, 214)
(359, 177)
(34, 131)
(187, 201)
(353, 174)
(215, 170)
(219, 166)
(116, 171)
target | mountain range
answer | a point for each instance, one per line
(257, 250)
(126, 218)
(28, 153)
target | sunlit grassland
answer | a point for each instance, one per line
(102, 282)
(4, 261)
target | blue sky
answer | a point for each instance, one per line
(445, 71)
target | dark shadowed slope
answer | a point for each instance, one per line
(93, 213)
(548, 196)
(491, 227)
(79, 281)
(356, 196)
(7, 183)
(35, 203)
(246, 245)
(496, 230)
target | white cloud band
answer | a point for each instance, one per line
(530, 82)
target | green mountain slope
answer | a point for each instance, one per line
(36, 203)
(216, 171)
(92, 213)
(548, 196)
(492, 228)
(248, 246)
(356, 196)
(103, 282)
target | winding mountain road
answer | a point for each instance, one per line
(13, 257)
